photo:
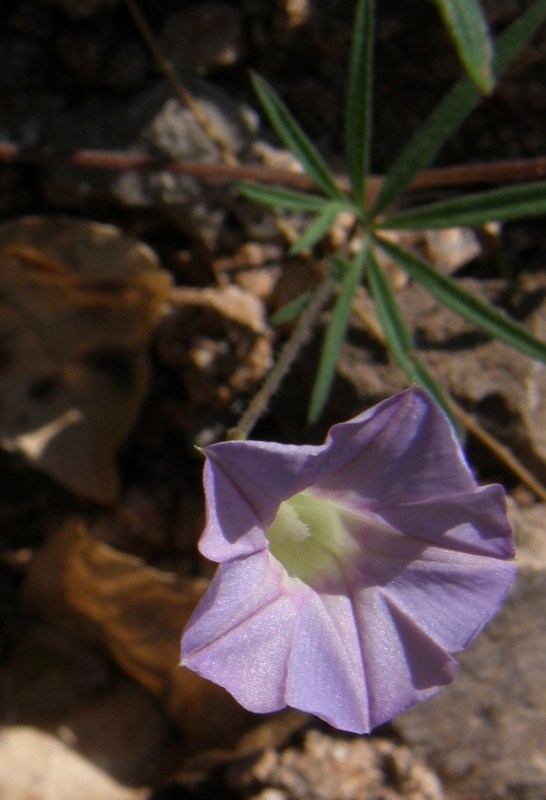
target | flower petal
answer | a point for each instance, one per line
(421, 567)
(451, 596)
(244, 484)
(402, 450)
(474, 522)
(449, 593)
(404, 666)
(240, 635)
(272, 642)
(326, 674)
(450, 588)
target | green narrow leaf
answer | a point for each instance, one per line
(468, 27)
(481, 314)
(292, 309)
(335, 334)
(397, 336)
(339, 267)
(358, 112)
(498, 205)
(282, 198)
(319, 227)
(452, 111)
(295, 139)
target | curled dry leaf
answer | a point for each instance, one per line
(86, 595)
(139, 609)
(141, 612)
(78, 301)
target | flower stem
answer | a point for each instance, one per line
(299, 338)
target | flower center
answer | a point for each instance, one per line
(310, 537)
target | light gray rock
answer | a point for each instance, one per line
(35, 764)
(504, 390)
(486, 733)
(333, 767)
(154, 123)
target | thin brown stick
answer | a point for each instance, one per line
(170, 72)
(503, 453)
(530, 169)
(500, 451)
(111, 161)
(442, 178)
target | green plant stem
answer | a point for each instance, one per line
(299, 338)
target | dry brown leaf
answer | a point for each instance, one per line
(142, 612)
(102, 597)
(78, 301)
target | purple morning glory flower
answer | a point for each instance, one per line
(351, 571)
